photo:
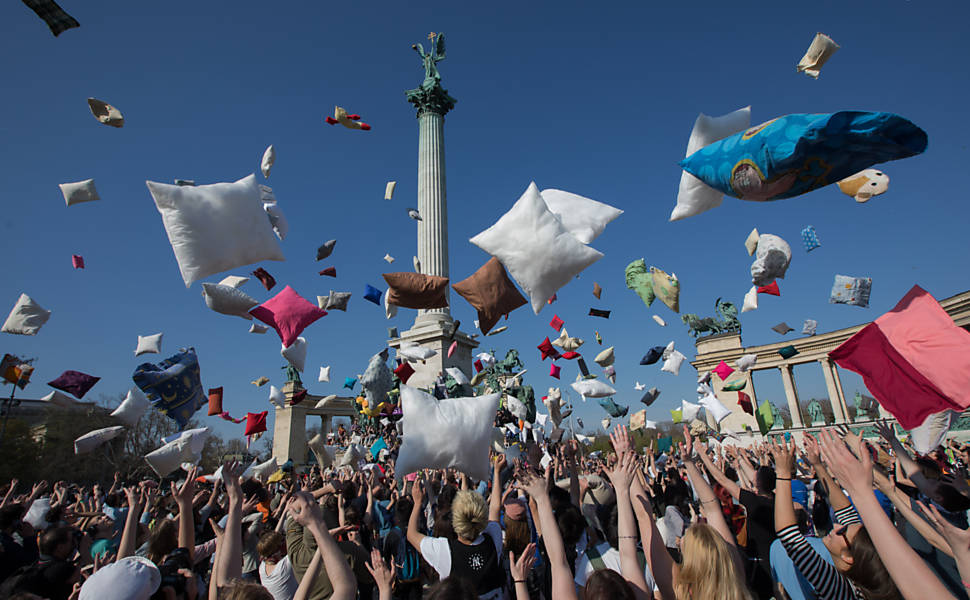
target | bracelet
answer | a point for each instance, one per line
(709, 501)
(782, 478)
(519, 581)
(624, 537)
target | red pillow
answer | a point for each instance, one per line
(215, 401)
(256, 422)
(556, 323)
(771, 288)
(404, 372)
(491, 292)
(478, 366)
(547, 350)
(570, 355)
(288, 313)
(267, 279)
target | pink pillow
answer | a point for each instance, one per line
(723, 370)
(554, 370)
(288, 313)
(255, 423)
(556, 323)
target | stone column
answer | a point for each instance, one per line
(791, 394)
(433, 205)
(832, 385)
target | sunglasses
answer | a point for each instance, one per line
(840, 531)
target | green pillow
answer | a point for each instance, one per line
(787, 352)
(638, 279)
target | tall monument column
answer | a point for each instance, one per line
(433, 328)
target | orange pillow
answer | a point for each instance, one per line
(215, 401)
(491, 292)
(414, 290)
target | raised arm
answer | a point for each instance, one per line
(495, 498)
(417, 495)
(622, 477)
(731, 487)
(661, 564)
(183, 498)
(230, 557)
(307, 513)
(562, 577)
(710, 505)
(837, 497)
(130, 533)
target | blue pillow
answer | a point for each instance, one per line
(798, 153)
(612, 408)
(350, 382)
(652, 355)
(373, 294)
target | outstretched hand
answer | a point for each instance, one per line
(854, 474)
(784, 455)
(620, 438)
(623, 472)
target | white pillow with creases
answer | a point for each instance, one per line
(689, 410)
(930, 433)
(584, 218)
(215, 228)
(673, 362)
(746, 362)
(605, 358)
(234, 281)
(442, 434)
(168, 458)
(277, 219)
(771, 259)
(694, 196)
(295, 353)
(228, 300)
(750, 300)
(269, 157)
(60, 399)
(592, 388)
(91, 440)
(257, 328)
(265, 469)
(26, 317)
(324, 453)
(518, 409)
(751, 243)
(458, 375)
(538, 251)
(390, 310)
(80, 191)
(324, 374)
(416, 353)
(149, 344)
(713, 406)
(276, 396)
(133, 407)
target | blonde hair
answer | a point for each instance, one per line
(709, 571)
(469, 514)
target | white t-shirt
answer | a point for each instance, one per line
(437, 553)
(611, 558)
(282, 582)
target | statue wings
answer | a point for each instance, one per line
(440, 46)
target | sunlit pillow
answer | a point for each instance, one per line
(295, 353)
(673, 362)
(255, 423)
(490, 291)
(605, 358)
(288, 313)
(416, 353)
(26, 317)
(771, 260)
(592, 388)
(228, 300)
(414, 290)
(132, 408)
(81, 191)
(149, 344)
(91, 440)
(584, 218)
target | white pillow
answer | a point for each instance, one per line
(325, 401)
(584, 218)
(295, 353)
(264, 470)
(750, 300)
(450, 433)
(390, 310)
(929, 434)
(257, 328)
(324, 453)
(149, 344)
(195, 438)
(60, 399)
(538, 251)
(277, 219)
(26, 318)
(592, 388)
(518, 409)
(458, 375)
(324, 374)
(168, 458)
(276, 397)
(234, 281)
(713, 406)
(217, 227)
(673, 362)
(91, 440)
(351, 456)
(689, 410)
(37, 511)
(605, 358)
(771, 259)
(487, 359)
(81, 191)
(751, 243)
(133, 407)
(416, 353)
(269, 157)
(389, 190)
(659, 321)
(746, 362)
(694, 196)
(228, 300)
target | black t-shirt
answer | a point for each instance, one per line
(760, 524)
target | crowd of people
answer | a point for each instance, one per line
(834, 517)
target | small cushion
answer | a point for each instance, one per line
(751, 243)
(723, 370)
(75, 383)
(132, 408)
(554, 370)
(215, 401)
(846, 290)
(547, 350)
(659, 321)
(324, 374)
(592, 388)
(414, 290)
(228, 300)
(174, 385)
(750, 299)
(584, 218)
(714, 408)
(450, 433)
(404, 371)
(389, 190)
(490, 291)
(612, 408)
(324, 454)
(458, 375)
(326, 249)
(653, 355)
(676, 415)
(416, 353)
(771, 260)
(452, 348)
(735, 386)
(372, 294)
(390, 310)
(91, 440)
(105, 113)
(605, 358)
(350, 382)
(639, 280)
(570, 355)
(746, 362)
(277, 219)
(337, 300)
(276, 397)
(81, 191)
(26, 317)
(782, 328)
(265, 469)
(770, 289)
(288, 313)
(295, 353)
(255, 423)
(269, 157)
(603, 314)
(329, 272)
(650, 396)
(810, 239)
(214, 228)
(268, 281)
(567, 343)
(689, 410)
(556, 323)
(744, 401)
(809, 327)
(257, 328)
(819, 52)
(597, 290)
(539, 252)
(77, 261)
(787, 352)
(667, 288)
(234, 281)
(59, 399)
(673, 362)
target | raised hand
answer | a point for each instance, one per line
(304, 509)
(623, 473)
(534, 486)
(812, 450)
(230, 477)
(521, 568)
(417, 490)
(784, 455)
(854, 474)
(183, 495)
(958, 539)
(620, 438)
(379, 570)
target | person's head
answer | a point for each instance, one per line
(443, 527)
(402, 512)
(241, 590)
(708, 571)
(606, 584)
(610, 526)
(572, 524)
(517, 536)
(100, 528)
(271, 547)
(469, 514)
(162, 540)
(855, 556)
(765, 480)
(59, 542)
(451, 588)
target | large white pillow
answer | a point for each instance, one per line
(713, 406)
(168, 458)
(133, 407)
(26, 317)
(592, 388)
(149, 344)
(538, 251)
(694, 196)
(295, 353)
(771, 259)
(584, 218)
(324, 453)
(228, 300)
(91, 440)
(450, 433)
(689, 410)
(673, 362)
(416, 353)
(217, 227)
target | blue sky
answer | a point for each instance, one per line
(595, 99)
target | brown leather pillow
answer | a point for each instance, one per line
(491, 292)
(414, 290)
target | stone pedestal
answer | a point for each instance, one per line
(430, 334)
(289, 428)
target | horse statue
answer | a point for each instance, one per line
(711, 325)
(510, 364)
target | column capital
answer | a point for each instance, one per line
(431, 99)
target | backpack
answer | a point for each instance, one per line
(406, 558)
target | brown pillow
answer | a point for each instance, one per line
(491, 292)
(414, 290)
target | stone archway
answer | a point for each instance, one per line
(289, 430)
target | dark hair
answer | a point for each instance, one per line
(867, 572)
(162, 540)
(269, 543)
(949, 498)
(10, 515)
(572, 524)
(606, 584)
(730, 473)
(451, 588)
(610, 524)
(765, 480)
(55, 514)
(442, 525)
(402, 512)
(559, 498)
(446, 497)
(54, 537)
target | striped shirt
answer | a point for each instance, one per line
(829, 584)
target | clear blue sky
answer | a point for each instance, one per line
(596, 98)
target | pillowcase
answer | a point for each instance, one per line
(376, 380)
(782, 328)
(74, 382)
(324, 374)
(714, 408)
(653, 355)
(326, 249)
(217, 227)
(659, 321)
(174, 385)
(323, 453)
(746, 362)
(215, 401)
(134, 577)
(372, 294)
(257, 328)
(639, 280)
(751, 243)
(605, 358)
(255, 423)
(667, 288)
(132, 408)
(547, 350)
(336, 300)
(584, 218)
(750, 299)
(414, 290)
(673, 362)
(597, 290)
(592, 388)
(595, 312)
(771, 289)
(77, 261)
(105, 113)
(265, 469)
(810, 239)
(404, 371)
(787, 351)
(149, 344)
(694, 196)
(723, 370)
(276, 396)
(865, 184)
(819, 52)
(450, 433)
(91, 440)
(771, 260)
(228, 300)
(416, 353)
(389, 190)
(268, 281)
(689, 410)
(458, 375)
(234, 281)
(650, 396)
(295, 353)
(170, 456)
(531, 242)
(26, 317)
(809, 327)
(567, 343)
(350, 382)
(81, 191)
(288, 313)
(781, 158)
(612, 408)
(269, 157)
(846, 290)
(734, 386)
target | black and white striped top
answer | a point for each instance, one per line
(829, 584)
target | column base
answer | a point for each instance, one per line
(431, 330)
